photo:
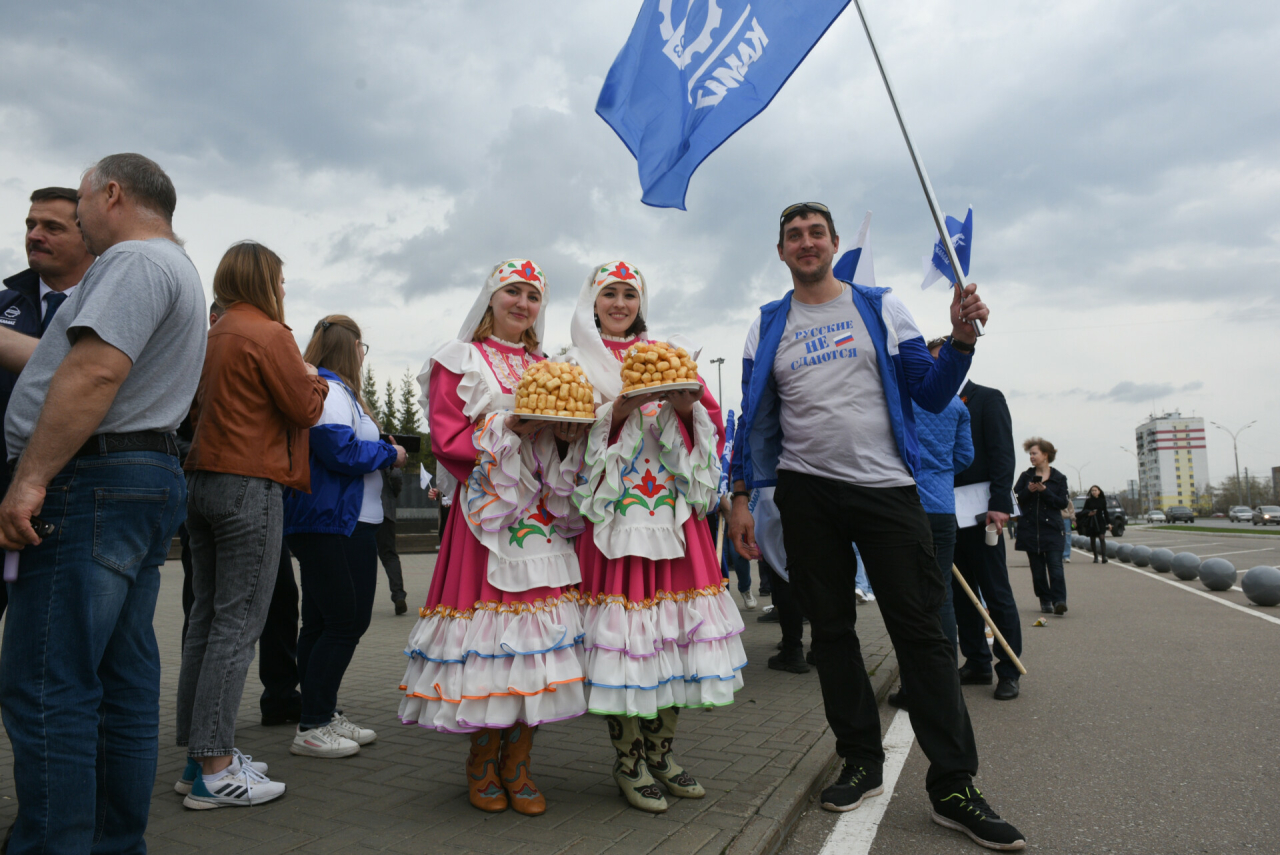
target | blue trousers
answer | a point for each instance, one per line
(80, 669)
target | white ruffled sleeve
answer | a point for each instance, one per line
(697, 470)
(603, 463)
(560, 477)
(503, 484)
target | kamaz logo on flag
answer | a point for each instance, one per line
(686, 56)
(711, 88)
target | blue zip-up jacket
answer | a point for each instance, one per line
(339, 462)
(907, 373)
(946, 447)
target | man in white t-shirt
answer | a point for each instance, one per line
(829, 374)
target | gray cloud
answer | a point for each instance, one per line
(1129, 392)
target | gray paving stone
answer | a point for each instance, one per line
(406, 792)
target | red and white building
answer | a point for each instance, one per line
(1173, 467)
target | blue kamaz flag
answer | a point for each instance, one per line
(938, 266)
(695, 71)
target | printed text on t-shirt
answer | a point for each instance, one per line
(818, 342)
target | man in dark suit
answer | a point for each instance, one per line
(56, 262)
(982, 566)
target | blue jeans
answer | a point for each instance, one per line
(741, 566)
(860, 579)
(80, 669)
(1066, 541)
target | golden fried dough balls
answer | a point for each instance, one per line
(656, 364)
(555, 389)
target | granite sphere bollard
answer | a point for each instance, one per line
(1262, 585)
(1186, 566)
(1112, 549)
(1162, 560)
(1141, 556)
(1124, 552)
(1217, 574)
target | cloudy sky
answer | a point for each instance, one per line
(1121, 158)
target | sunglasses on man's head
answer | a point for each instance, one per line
(803, 207)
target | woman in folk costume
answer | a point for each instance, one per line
(498, 647)
(662, 632)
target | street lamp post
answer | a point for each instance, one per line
(1079, 480)
(1235, 451)
(719, 363)
(1139, 464)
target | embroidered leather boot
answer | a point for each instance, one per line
(630, 772)
(483, 784)
(658, 734)
(517, 742)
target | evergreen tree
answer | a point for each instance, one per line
(387, 415)
(369, 389)
(408, 423)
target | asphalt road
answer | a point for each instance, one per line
(1148, 723)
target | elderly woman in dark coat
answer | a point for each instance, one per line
(1042, 493)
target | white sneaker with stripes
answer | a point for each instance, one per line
(343, 727)
(242, 786)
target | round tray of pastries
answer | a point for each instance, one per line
(555, 392)
(655, 367)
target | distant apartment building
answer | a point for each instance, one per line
(1173, 468)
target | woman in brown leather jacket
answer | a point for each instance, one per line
(254, 405)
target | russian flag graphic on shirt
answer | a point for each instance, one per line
(844, 339)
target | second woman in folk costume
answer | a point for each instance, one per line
(498, 647)
(662, 632)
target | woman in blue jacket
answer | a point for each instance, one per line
(332, 531)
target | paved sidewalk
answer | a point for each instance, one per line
(758, 759)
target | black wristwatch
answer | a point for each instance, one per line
(961, 346)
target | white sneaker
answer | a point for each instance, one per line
(189, 774)
(323, 742)
(748, 601)
(859, 596)
(244, 787)
(357, 734)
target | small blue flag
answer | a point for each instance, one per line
(938, 266)
(695, 71)
(727, 457)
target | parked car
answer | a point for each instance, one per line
(1180, 513)
(1266, 515)
(1240, 513)
(1155, 517)
(1115, 513)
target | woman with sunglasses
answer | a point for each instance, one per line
(332, 532)
(662, 632)
(498, 647)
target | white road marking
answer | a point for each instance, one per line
(1181, 545)
(1237, 552)
(1205, 594)
(856, 830)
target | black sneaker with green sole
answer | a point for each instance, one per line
(967, 811)
(853, 785)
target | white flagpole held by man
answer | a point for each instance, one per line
(938, 219)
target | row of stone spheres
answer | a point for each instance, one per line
(1260, 584)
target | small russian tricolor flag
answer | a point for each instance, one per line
(845, 339)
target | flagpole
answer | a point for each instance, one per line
(938, 219)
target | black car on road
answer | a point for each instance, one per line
(1179, 513)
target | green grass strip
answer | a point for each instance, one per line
(1213, 529)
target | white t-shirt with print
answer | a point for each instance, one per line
(835, 419)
